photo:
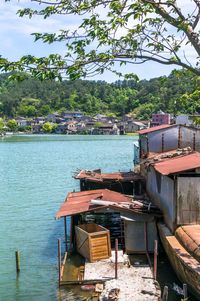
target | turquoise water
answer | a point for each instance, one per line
(35, 176)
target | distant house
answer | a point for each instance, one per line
(106, 129)
(36, 128)
(101, 118)
(160, 118)
(81, 127)
(61, 128)
(172, 181)
(188, 119)
(38, 120)
(71, 127)
(168, 137)
(72, 115)
(52, 117)
(21, 121)
(134, 126)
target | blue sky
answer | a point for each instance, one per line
(16, 39)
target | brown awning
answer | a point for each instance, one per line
(178, 164)
(80, 202)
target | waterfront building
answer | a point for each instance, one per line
(160, 118)
(165, 138)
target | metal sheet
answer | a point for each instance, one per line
(155, 128)
(101, 177)
(134, 236)
(164, 197)
(178, 164)
(162, 139)
(79, 202)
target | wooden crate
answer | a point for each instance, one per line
(93, 242)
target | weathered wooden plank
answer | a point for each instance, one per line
(99, 243)
(99, 249)
(75, 282)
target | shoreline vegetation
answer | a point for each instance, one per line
(8, 134)
(89, 107)
(32, 98)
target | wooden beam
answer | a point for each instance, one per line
(59, 262)
(65, 232)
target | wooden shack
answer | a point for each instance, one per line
(93, 242)
(124, 182)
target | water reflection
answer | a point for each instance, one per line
(73, 294)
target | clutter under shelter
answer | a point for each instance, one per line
(99, 217)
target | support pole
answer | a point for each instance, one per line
(147, 146)
(17, 258)
(71, 234)
(165, 294)
(155, 259)
(146, 237)
(194, 142)
(179, 137)
(146, 243)
(116, 258)
(185, 294)
(162, 143)
(59, 261)
(65, 232)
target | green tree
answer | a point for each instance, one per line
(98, 124)
(196, 120)
(144, 111)
(127, 32)
(1, 125)
(177, 93)
(48, 127)
(12, 125)
(45, 110)
(27, 111)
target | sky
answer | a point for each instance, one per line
(16, 39)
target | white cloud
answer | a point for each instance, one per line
(9, 20)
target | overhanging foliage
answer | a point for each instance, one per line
(115, 31)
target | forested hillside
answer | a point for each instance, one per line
(178, 93)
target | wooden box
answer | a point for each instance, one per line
(93, 242)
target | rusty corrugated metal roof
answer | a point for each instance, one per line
(80, 202)
(178, 164)
(101, 177)
(155, 128)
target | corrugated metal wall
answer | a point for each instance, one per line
(170, 139)
(188, 200)
(161, 190)
(164, 140)
(190, 137)
(135, 236)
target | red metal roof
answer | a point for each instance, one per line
(178, 164)
(80, 202)
(155, 128)
(115, 176)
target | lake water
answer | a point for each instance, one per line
(35, 176)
